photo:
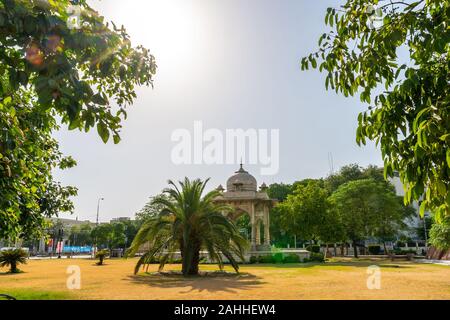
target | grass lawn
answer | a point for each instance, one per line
(337, 279)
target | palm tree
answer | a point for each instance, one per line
(189, 223)
(101, 255)
(13, 257)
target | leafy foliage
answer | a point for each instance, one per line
(440, 234)
(150, 209)
(84, 76)
(28, 154)
(409, 102)
(12, 258)
(73, 71)
(189, 223)
(367, 208)
(80, 235)
(305, 210)
(278, 236)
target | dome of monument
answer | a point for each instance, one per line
(241, 181)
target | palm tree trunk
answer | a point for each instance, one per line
(193, 270)
(13, 267)
(191, 258)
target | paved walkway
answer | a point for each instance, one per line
(441, 262)
(62, 257)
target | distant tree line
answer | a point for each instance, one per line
(349, 206)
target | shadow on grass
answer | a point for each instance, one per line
(207, 281)
(8, 273)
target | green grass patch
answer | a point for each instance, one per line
(27, 294)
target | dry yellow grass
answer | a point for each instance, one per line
(335, 280)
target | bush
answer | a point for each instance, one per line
(313, 248)
(12, 258)
(374, 249)
(403, 252)
(253, 259)
(266, 259)
(277, 257)
(291, 258)
(315, 257)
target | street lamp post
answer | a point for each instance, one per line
(98, 208)
(60, 241)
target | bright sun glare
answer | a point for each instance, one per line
(167, 27)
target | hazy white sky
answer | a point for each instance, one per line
(231, 64)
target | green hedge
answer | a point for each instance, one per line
(291, 258)
(275, 258)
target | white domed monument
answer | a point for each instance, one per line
(243, 196)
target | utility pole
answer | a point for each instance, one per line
(98, 208)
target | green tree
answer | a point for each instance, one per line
(440, 234)
(367, 208)
(103, 235)
(80, 235)
(278, 235)
(409, 106)
(279, 191)
(189, 222)
(131, 229)
(304, 210)
(53, 71)
(118, 235)
(330, 229)
(150, 209)
(28, 154)
(391, 216)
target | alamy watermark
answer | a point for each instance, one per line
(374, 279)
(74, 279)
(230, 146)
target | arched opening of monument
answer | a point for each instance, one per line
(244, 226)
(260, 226)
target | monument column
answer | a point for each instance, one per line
(253, 223)
(258, 233)
(266, 226)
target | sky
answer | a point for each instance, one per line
(231, 65)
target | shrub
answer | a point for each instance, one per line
(277, 257)
(12, 258)
(179, 260)
(374, 249)
(313, 248)
(265, 259)
(316, 257)
(291, 258)
(406, 251)
(253, 259)
(101, 255)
